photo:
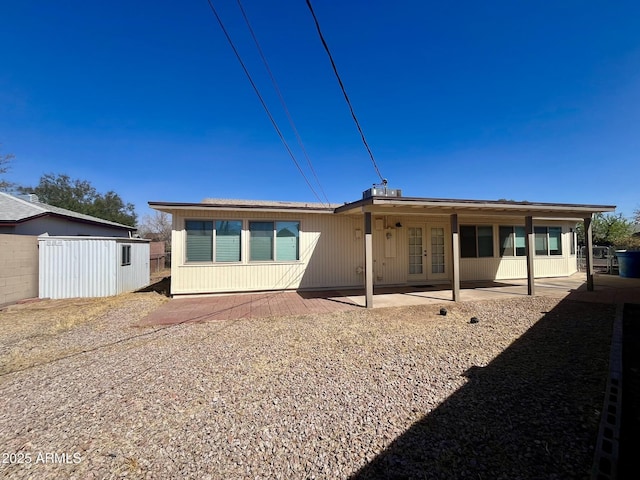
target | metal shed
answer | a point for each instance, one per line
(91, 266)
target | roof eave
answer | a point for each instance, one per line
(477, 206)
(169, 207)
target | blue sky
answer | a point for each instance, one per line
(523, 100)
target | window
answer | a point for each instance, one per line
(476, 241)
(279, 241)
(199, 240)
(126, 255)
(228, 234)
(512, 241)
(548, 240)
(287, 241)
(201, 244)
(260, 241)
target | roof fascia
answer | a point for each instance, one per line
(421, 206)
(170, 207)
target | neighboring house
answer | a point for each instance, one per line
(25, 215)
(223, 246)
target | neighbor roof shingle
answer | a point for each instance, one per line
(14, 209)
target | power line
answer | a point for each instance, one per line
(264, 105)
(344, 92)
(282, 101)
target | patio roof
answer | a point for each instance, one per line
(441, 206)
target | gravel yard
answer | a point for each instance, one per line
(384, 393)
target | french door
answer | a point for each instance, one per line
(427, 254)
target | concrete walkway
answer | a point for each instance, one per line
(608, 289)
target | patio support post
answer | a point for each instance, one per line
(529, 248)
(588, 236)
(455, 257)
(368, 260)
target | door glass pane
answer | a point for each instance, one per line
(415, 250)
(437, 250)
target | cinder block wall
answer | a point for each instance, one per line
(18, 267)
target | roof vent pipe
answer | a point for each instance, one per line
(29, 197)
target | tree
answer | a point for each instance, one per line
(608, 230)
(80, 196)
(5, 160)
(158, 226)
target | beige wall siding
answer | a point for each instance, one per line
(332, 254)
(505, 268)
(18, 268)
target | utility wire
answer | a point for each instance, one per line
(282, 101)
(344, 92)
(264, 105)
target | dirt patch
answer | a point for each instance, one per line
(38, 332)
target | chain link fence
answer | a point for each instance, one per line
(604, 260)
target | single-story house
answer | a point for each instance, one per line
(224, 246)
(26, 215)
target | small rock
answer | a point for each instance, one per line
(474, 320)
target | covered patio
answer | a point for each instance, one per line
(453, 213)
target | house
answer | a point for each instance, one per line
(224, 246)
(25, 215)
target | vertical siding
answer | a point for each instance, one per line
(331, 255)
(77, 268)
(134, 276)
(90, 267)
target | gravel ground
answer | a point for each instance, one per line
(388, 393)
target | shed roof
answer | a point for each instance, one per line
(15, 210)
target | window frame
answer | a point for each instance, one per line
(125, 255)
(546, 230)
(513, 234)
(476, 241)
(572, 239)
(275, 255)
(214, 241)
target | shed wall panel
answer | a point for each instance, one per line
(77, 268)
(136, 275)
